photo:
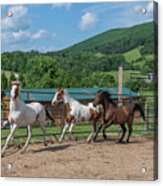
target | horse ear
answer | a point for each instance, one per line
(99, 91)
(108, 93)
(60, 90)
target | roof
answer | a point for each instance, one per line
(46, 95)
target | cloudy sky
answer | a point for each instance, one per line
(53, 27)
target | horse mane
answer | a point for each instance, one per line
(70, 98)
(108, 96)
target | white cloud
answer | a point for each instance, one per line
(21, 36)
(60, 5)
(18, 20)
(16, 32)
(15, 37)
(16, 29)
(88, 20)
(38, 35)
(24, 36)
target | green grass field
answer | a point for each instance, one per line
(126, 75)
(81, 132)
(133, 55)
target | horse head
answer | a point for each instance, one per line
(15, 89)
(58, 97)
(100, 96)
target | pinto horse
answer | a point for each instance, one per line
(22, 114)
(114, 114)
(76, 112)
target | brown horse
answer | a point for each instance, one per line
(114, 114)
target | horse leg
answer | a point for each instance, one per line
(129, 132)
(104, 129)
(70, 130)
(123, 132)
(12, 132)
(43, 131)
(28, 138)
(96, 134)
(63, 132)
(12, 138)
(92, 133)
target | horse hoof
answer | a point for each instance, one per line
(52, 142)
(88, 141)
(22, 152)
(2, 155)
(105, 137)
(19, 146)
(94, 140)
(127, 141)
(119, 141)
(45, 144)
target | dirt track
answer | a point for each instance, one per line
(100, 160)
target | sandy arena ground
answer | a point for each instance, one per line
(100, 160)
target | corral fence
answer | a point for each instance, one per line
(148, 103)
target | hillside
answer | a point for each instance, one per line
(110, 42)
(85, 63)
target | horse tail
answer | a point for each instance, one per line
(137, 107)
(48, 115)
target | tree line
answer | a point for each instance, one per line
(86, 64)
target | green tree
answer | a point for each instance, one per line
(4, 81)
(102, 79)
(12, 78)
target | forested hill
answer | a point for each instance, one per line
(85, 63)
(119, 40)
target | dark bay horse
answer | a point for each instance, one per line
(114, 114)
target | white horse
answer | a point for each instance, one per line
(76, 112)
(22, 114)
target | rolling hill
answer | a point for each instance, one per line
(109, 41)
(101, 55)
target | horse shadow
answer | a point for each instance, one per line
(52, 148)
(115, 140)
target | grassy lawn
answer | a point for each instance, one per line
(133, 55)
(81, 132)
(136, 57)
(126, 75)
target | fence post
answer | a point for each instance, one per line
(146, 126)
(28, 98)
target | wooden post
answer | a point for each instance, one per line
(120, 82)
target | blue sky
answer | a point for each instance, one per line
(52, 27)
